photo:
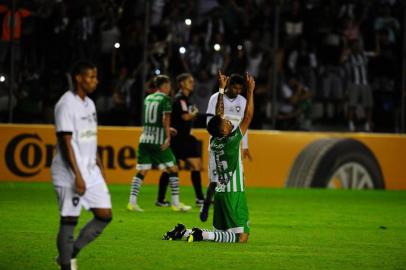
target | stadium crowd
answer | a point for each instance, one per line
(338, 62)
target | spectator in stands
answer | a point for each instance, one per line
(359, 91)
(294, 107)
(332, 73)
(293, 26)
(84, 35)
(388, 22)
(193, 57)
(5, 40)
(303, 63)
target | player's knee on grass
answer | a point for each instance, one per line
(243, 237)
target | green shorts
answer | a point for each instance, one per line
(151, 154)
(231, 212)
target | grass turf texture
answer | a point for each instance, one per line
(291, 229)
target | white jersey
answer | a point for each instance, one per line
(76, 116)
(234, 110)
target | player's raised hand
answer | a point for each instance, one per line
(80, 185)
(250, 81)
(223, 80)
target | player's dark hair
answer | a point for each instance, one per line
(214, 126)
(181, 77)
(236, 79)
(80, 67)
(160, 80)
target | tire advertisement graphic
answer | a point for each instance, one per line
(336, 163)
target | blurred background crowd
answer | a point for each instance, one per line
(338, 63)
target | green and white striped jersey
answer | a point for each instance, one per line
(155, 105)
(229, 167)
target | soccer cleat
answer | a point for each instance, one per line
(134, 208)
(181, 207)
(73, 263)
(162, 204)
(204, 212)
(199, 202)
(176, 233)
(195, 236)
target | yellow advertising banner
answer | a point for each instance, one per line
(280, 159)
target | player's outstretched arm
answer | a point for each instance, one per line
(249, 106)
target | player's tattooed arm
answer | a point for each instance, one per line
(223, 80)
(249, 106)
(68, 154)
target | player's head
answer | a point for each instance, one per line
(84, 74)
(186, 82)
(163, 83)
(219, 127)
(235, 85)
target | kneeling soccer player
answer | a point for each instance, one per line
(230, 219)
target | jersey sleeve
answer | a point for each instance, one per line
(63, 118)
(181, 106)
(166, 105)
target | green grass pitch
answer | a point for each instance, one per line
(290, 229)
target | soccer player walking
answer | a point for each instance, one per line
(184, 145)
(154, 144)
(77, 172)
(234, 109)
(230, 221)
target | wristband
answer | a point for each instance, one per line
(221, 91)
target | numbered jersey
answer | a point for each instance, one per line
(155, 105)
(228, 162)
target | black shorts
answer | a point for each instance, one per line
(186, 147)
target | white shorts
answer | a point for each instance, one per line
(70, 203)
(213, 177)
